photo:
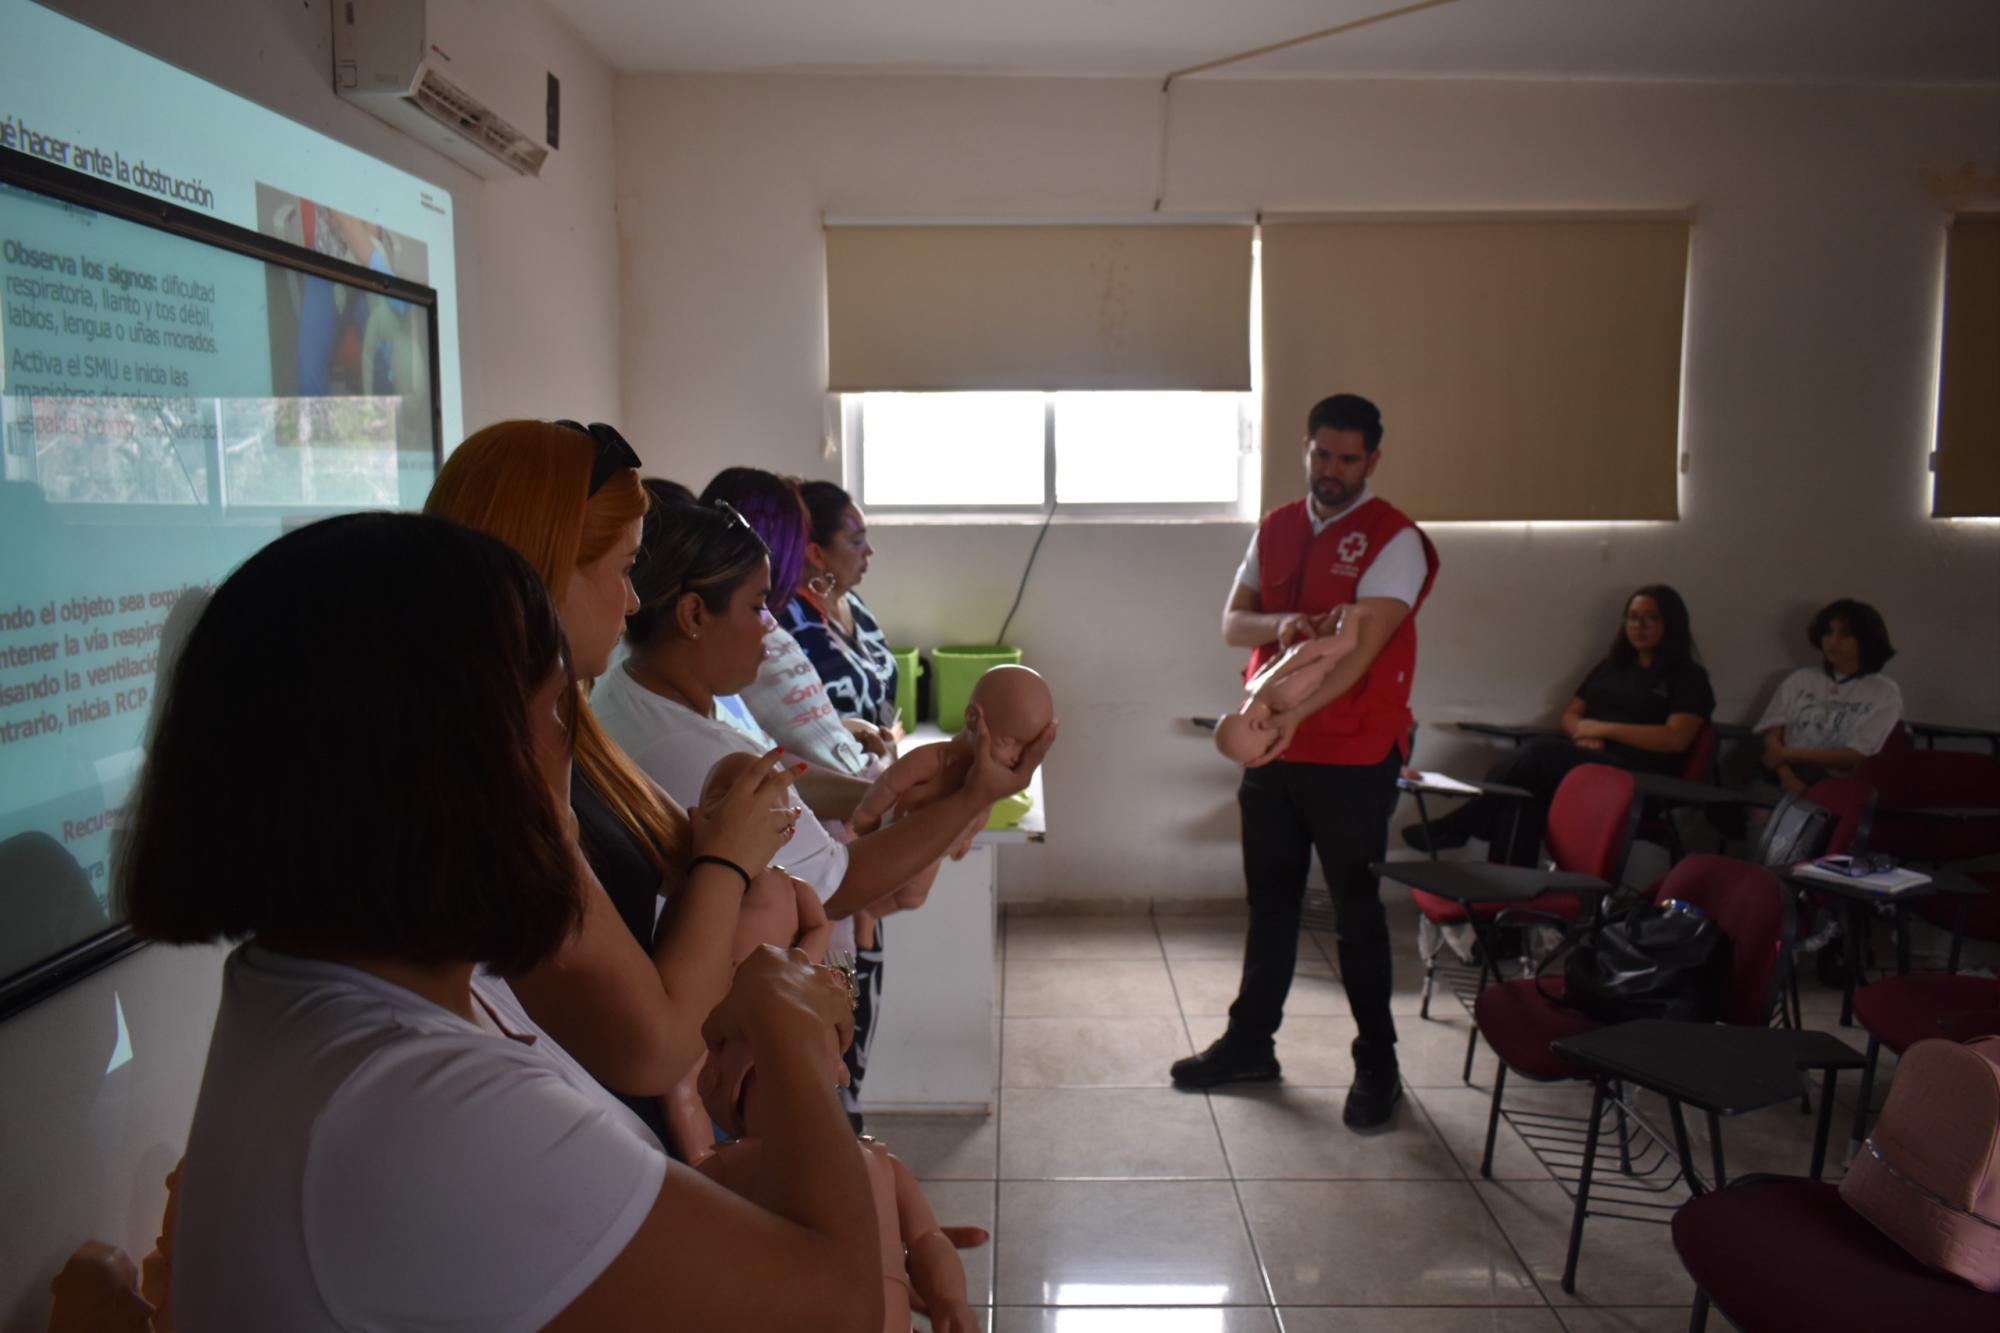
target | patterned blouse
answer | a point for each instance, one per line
(859, 672)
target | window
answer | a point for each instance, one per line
(1167, 453)
(1967, 461)
(1527, 368)
(1002, 368)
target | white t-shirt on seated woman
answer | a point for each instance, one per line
(363, 1159)
(1821, 711)
(676, 746)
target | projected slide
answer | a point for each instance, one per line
(169, 404)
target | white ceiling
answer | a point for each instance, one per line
(1836, 41)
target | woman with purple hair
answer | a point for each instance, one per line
(788, 701)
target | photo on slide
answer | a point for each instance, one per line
(350, 370)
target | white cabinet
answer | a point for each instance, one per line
(934, 1044)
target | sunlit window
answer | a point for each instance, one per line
(1149, 448)
(958, 450)
(1187, 452)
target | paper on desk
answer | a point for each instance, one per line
(1446, 783)
(1887, 881)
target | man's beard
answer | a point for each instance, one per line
(1331, 495)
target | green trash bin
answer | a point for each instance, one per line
(955, 670)
(906, 684)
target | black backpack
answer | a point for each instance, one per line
(1797, 831)
(1653, 962)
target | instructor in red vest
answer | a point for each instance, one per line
(1330, 784)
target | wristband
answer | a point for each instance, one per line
(725, 863)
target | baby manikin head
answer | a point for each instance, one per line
(722, 774)
(1015, 704)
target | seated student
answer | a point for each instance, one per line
(1639, 708)
(361, 772)
(1826, 719)
(569, 499)
(703, 579)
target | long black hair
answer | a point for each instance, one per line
(1676, 636)
(826, 509)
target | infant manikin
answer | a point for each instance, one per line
(778, 909)
(920, 1264)
(1251, 731)
(1014, 705)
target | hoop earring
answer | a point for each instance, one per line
(822, 584)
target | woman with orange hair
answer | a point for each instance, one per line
(568, 497)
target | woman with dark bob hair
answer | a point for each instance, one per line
(1641, 707)
(361, 772)
(1825, 719)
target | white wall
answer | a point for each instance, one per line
(85, 1151)
(1809, 382)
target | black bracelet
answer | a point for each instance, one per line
(725, 864)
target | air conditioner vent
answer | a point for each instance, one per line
(451, 75)
(453, 107)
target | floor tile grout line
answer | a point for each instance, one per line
(1222, 1144)
(1513, 1248)
(1465, 1173)
(999, 1087)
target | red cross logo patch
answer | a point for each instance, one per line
(1353, 546)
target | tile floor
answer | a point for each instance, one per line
(1120, 1205)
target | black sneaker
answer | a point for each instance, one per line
(1372, 1099)
(1226, 1062)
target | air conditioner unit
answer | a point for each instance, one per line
(449, 73)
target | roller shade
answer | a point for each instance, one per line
(1968, 432)
(1038, 307)
(1525, 369)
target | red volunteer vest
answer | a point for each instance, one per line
(1300, 572)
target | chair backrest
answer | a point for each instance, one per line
(1978, 917)
(1699, 766)
(1591, 821)
(1929, 1177)
(1932, 778)
(1753, 911)
(1852, 802)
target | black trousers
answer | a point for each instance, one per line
(1342, 811)
(867, 1009)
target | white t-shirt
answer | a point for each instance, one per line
(1821, 713)
(1398, 571)
(675, 747)
(363, 1159)
(789, 701)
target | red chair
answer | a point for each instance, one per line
(1914, 780)
(1975, 918)
(1589, 832)
(1520, 1019)
(1779, 1253)
(1852, 802)
(1902, 1010)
